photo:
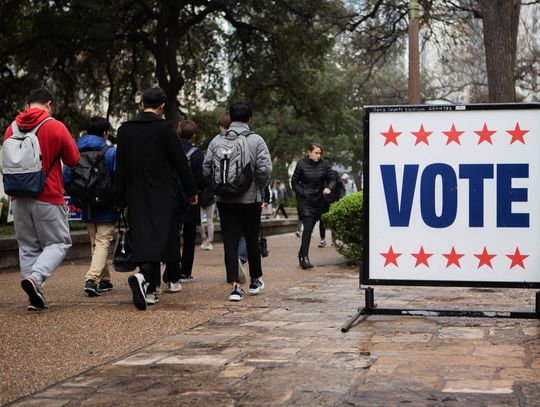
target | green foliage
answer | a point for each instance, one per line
(345, 220)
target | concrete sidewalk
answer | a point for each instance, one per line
(286, 349)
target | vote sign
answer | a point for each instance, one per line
(452, 195)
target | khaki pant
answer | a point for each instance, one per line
(101, 236)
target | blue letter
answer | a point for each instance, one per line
(506, 195)
(449, 195)
(399, 214)
(476, 173)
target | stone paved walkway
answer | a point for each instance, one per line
(291, 353)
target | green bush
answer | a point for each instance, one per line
(345, 221)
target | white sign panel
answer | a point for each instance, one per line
(453, 195)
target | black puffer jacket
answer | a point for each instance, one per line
(308, 182)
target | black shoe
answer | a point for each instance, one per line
(35, 294)
(105, 286)
(304, 262)
(91, 288)
(186, 279)
(138, 288)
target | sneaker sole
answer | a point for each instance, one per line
(255, 291)
(36, 299)
(139, 299)
(91, 292)
(235, 298)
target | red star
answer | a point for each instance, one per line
(453, 135)
(421, 135)
(517, 134)
(485, 258)
(421, 257)
(517, 258)
(485, 134)
(453, 258)
(390, 257)
(391, 136)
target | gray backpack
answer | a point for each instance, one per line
(21, 163)
(231, 172)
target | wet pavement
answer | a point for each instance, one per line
(285, 348)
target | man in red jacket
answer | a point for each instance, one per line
(41, 225)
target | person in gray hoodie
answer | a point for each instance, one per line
(240, 214)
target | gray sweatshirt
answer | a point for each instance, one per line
(260, 161)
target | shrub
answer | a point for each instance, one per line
(345, 220)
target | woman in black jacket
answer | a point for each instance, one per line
(311, 181)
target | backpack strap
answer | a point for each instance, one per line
(191, 152)
(15, 128)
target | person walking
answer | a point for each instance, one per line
(348, 184)
(41, 224)
(149, 160)
(100, 221)
(208, 204)
(187, 130)
(338, 191)
(239, 211)
(312, 180)
(280, 199)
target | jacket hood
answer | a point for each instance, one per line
(91, 142)
(30, 118)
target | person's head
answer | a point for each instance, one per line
(98, 126)
(224, 121)
(154, 99)
(240, 111)
(41, 98)
(187, 129)
(315, 152)
(345, 178)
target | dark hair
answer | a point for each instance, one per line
(97, 125)
(187, 128)
(240, 111)
(313, 146)
(153, 97)
(224, 120)
(40, 95)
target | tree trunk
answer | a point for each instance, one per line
(500, 24)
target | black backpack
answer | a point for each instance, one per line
(91, 185)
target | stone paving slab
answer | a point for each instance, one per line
(291, 352)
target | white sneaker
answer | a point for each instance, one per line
(257, 284)
(209, 246)
(158, 290)
(204, 244)
(322, 243)
(236, 294)
(241, 272)
(173, 287)
(151, 298)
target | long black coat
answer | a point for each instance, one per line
(308, 182)
(149, 157)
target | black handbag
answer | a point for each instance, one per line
(123, 255)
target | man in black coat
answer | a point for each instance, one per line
(149, 159)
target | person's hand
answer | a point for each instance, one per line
(193, 200)
(264, 205)
(326, 191)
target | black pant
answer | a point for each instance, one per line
(281, 208)
(172, 263)
(322, 229)
(237, 220)
(309, 223)
(189, 235)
